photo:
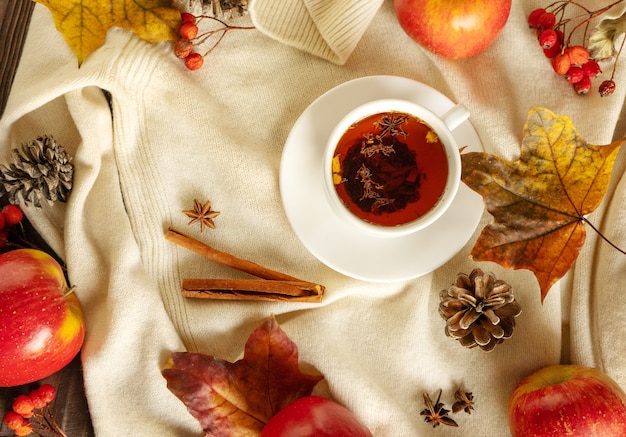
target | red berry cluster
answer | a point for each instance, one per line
(191, 38)
(10, 215)
(568, 60)
(31, 413)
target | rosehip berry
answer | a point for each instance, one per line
(23, 405)
(533, 17)
(583, 86)
(606, 88)
(547, 38)
(552, 51)
(547, 20)
(186, 17)
(183, 48)
(574, 74)
(561, 63)
(24, 430)
(13, 420)
(46, 392)
(12, 214)
(591, 68)
(194, 61)
(578, 55)
(188, 31)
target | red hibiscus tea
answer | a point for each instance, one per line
(390, 168)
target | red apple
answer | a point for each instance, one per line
(567, 400)
(453, 28)
(41, 321)
(315, 416)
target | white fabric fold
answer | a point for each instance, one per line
(217, 134)
(325, 28)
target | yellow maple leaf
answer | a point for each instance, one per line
(539, 201)
(85, 23)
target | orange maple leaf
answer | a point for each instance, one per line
(85, 23)
(539, 201)
(238, 399)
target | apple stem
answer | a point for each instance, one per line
(69, 291)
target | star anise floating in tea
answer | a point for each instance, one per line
(202, 213)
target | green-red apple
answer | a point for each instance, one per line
(567, 400)
(41, 321)
(453, 28)
(315, 416)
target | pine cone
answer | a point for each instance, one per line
(41, 171)
(479, 310)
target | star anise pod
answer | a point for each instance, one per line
(435, 413)
(464, 401)
(202, 213)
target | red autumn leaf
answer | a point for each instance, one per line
(539, 201)
(238, 399)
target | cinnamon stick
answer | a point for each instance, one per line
(277, 285)
(225, 258)
(252, 289)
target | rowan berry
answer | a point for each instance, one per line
(23, 405)
(46, 392)
(574, 74)
(12, 214)
(583, 86)
(533, 17)
(591, 68)
(606, 88)
(186, 17)
(561, 63)
(578, 55)
(188, 31)
(183, 48)
(14, 420)
(547, 20)
(547, 38)
(24, 430)
(194, 61)
(2, 221)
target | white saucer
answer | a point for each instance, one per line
(350, 250)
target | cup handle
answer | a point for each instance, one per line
(455, 116)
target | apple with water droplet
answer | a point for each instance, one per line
(41, 321)
(453, 29)
(567, 400)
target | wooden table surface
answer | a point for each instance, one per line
(70, 406)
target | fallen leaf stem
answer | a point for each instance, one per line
(604, 237)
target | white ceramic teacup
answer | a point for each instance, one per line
(387, 148)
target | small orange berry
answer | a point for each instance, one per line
(23, 405)
(561, 63)
(186, 17)
(188, 31)
(578, 55)
(194, 61)
(183, 48)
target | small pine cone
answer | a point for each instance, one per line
(479, 310)
(41, 171)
